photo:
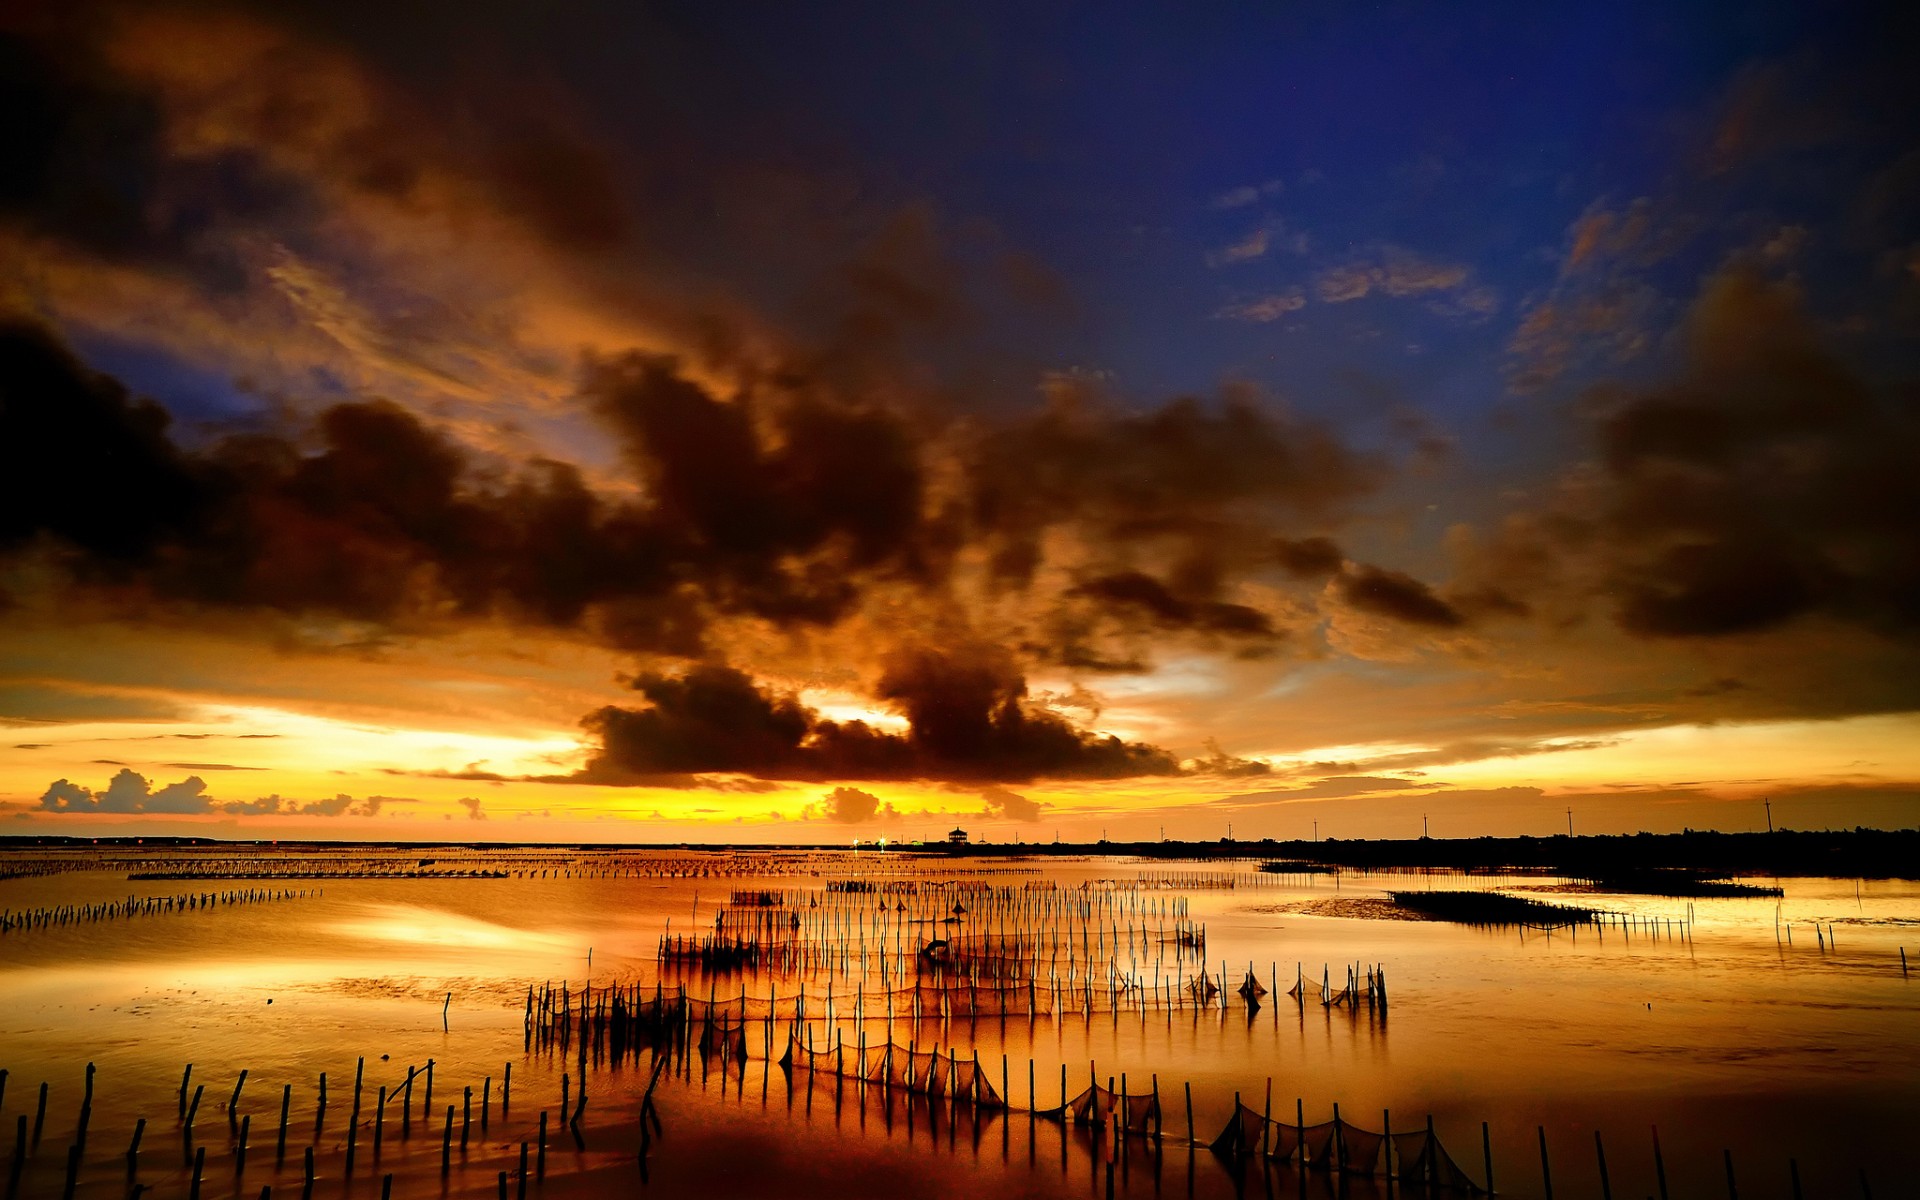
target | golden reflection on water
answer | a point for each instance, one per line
(422, 926)
(1734, 1038)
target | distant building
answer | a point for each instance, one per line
(957, 838)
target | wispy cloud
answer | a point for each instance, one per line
(1393, 272)
(1248, 248)
(1263, 309)
(1249, 193)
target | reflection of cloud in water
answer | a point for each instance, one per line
(414, 925)
(465, 991)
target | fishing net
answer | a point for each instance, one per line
(819, 1062)
(1423, 1159)
(1321, 1146)
(728, 1045)
(887, 1067)
(722, 1012)
(929, 1073)
(1140, 1115)
(1243, 1134)
(1354, 993)
(1359, 1151)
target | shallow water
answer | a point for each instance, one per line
(1727, 1039)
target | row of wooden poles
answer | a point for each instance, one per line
(62, 915)
(968, 958)
(1119, 1115)
(400, 1096)
(1381, 1150)
(624, 1014)
(1207, 881)
(325, 871)
(503, 866)
(850, 932)
(1115, 1112)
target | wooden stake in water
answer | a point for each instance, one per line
(1659, 1164)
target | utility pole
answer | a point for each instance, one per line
(1769, 803)
(1423, 826)
(1569, 822)
(1316, 831)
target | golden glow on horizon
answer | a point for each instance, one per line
(305, 757)
(1730, 756)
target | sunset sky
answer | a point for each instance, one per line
(706, 422)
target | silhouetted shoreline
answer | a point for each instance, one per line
(1633, 861)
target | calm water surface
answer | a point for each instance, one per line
(1727, 1039)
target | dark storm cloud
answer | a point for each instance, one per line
(373, 518)
(558, 183)
(389, 515)
(1308, 558)
(967, 712)
(712, 719)
(92, 164)
(1398, 597)
(1218, 764)
(88, 165)
(83, 461)
(748, 507)
(783, 509)
(1135, 594)
(1763, 481)
(1194, 477)
(1767, 482)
